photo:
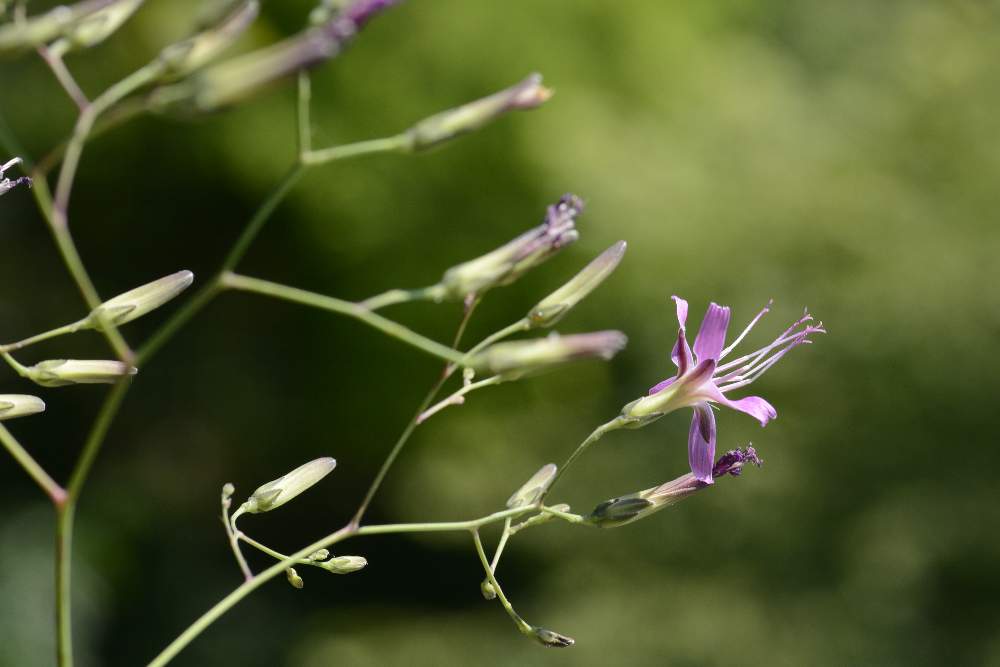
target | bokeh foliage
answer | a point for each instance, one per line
(840, 155)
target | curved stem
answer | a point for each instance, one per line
(233, 536)
(399, 142)
(394, 296)
(339, 306)
(38, 338)
(521, 624)
(458, 397)
(598, 432)
(231, 600)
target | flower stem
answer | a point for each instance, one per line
(37, 472)
(521, 624)
(38, 338)
(394, 296)
(234, 597)
(458, 397)
(339, 306)
(598, 432)
(233, 536)
(400, 142)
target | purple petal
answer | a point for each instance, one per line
(701, 443)
(681, 354)
(702, 373)
(682, 310)
(660, 386)
(712, 334)
(755, 406)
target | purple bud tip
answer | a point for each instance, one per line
(561, 217)
(731, 463)
(362, 11)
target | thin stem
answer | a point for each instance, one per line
(228, 602)
(521, 624)
(65, 518)
(408, 431)
(37, 472)
(117, 115)
(458, 398)
(302, 117)
(233, 536)
(565, 516)
(348, 308)
(38, 338)
(174, 324)
(509, 330)
(64, 77)
(394, 296)
(504, 537)
(276, 554)
(400, 142)
(612, 425)
(19, 368)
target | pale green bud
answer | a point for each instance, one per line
(487, 589)
(19, 405)
(510, 261)
(275, 494)
(527, 94)
(552, 308)
(227, 492)
(322, 554)
(197, 51)
(137, 302)
(35, 31)
(294, 579)
(518, 358)
(551, 639)
(533, 489)
(619, 511)
(344, 564)
(62, 372)
(95, 27)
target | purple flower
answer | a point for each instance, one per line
(702, 379)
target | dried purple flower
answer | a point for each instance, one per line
(702, 381)
(6, 184)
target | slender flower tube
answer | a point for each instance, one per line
(552, 308)
(19, 405)
(516, 359)
(137, 302)
(276, 493)
(64, 372)
(513, 259)
(702, 379)
(626, 509)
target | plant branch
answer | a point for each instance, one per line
(521, 624)
(597, 434)
(37, 472)
(64, 77)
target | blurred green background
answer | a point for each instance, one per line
(836, 155)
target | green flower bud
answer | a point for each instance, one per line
(533, 489)
(275, 494)
(294, 579)
(619, 511)
(197, 51)
(322, 554)
(519, 358)
(62, 372)
(487, 589)
(512, 260)
(137, 302)
(19, 405)
(551, 639)
(38, 30)
(344, 564)
(95, 27)
(552, 308)
(527, 94)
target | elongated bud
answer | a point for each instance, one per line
(552, 308)
(344, 564)
(519, 358)
(275, 494)
(235, 79)
(19, 405)
(95, 27)
(532, 490)
(294, 579)
(322, 554)
(442, 127)
(197, 51)
(35, 31)
(62, 372)
(137, 302)
(6, 184)
(551, 639)
(509, 262)
(626, 509)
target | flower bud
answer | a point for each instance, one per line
(533, 489)
(618, 511)
(551, 639)
(322, 554)
(294, 579)
(137, 302)
(552, 308)
(519, 358)
(6, 184)
(442, 127)
(278, 492)
(197, 51)
(19, 405)
(21, 35)
(95, 27)
(344, 564)
(487, 590)
(62, 372)
(509, 262)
